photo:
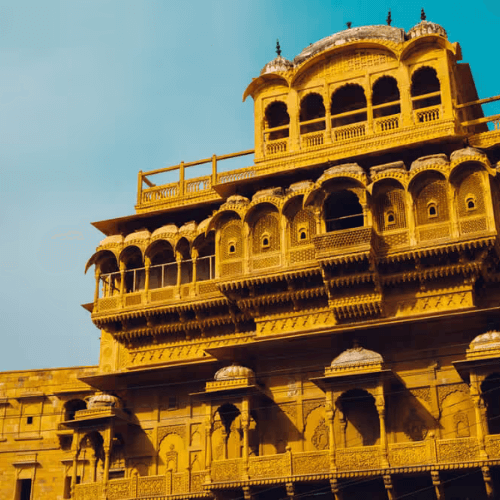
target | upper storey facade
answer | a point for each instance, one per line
(366, 90)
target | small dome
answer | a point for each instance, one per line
(233, 372)
(424, 161)
(142, 235)
(116, 239)
(168, 230)
(103, 401)
(188, 227)
(357, 356)
(426, 28)
(489, 340)
(465, 152)
(277, 64)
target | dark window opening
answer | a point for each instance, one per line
(24, 489)
(348, 99)
(385, 91)
(265, 242)
(425, 81)
(67, 486)
(343, 211)
(490, 389)
(433, 210)
(277, 116)
(391, 219)
(471, 205)
(303, 235)
(116, 474)
(232, 249)
(311, 108)
(29, 420)
(71, 407)
(163, 270)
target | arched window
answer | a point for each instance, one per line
(312, 108)
(186, 262)
(385, 97)
(205, 263)
(71, 407)
(163, 270)
(349, 99)
(425, 88)
(277, 116)
(135, 275)
(343, 211)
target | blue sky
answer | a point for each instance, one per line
(91, 92)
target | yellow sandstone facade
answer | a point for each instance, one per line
(322, 323)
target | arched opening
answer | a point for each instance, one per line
(71, 407)
(135, 276)
(312, 109)
(425, 88)
(91, 446)
(186, 262)
(265, 230)
(490, 389)
(361, 424)
(109, 275)
(205, 264)
(385, 97)
(342, 211)
(277, 117)
(348, 105)
(389, 206)
(227, 434)
(301, 223)
(163, 270)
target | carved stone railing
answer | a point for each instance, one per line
(412, 453)
(198, 185)
(359, 458)
(457, 450)
(227, 470)
(236, 175)
(120, 489)
(277, 146)
(492, 444)
(349, 132)
(91, 491)
(150, 486)
(310, 462)
(270, 466)
(387, 124)
(312, 139)
(159, 193)
(342, 242)
(425, 115)
(475, 224)
(434, 231)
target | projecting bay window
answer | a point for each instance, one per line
(343, 211)
(312, 120)
(386, 105)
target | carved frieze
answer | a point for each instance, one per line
(180, 430)
(273, 326)
(458, 450)
(311, 462)
(446, 390)
(320, 438)
(150, 486)
(309, 406)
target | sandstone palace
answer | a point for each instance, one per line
(322, 324)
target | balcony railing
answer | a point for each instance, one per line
(410, 455)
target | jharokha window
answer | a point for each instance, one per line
(312, 112)
(425, 88)
(277, 117)
(348, 105)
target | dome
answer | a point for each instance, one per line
(103, 401)
(277, 64)
(142, 235)
(426, 28)
(116, 239)
(168, 230)
(382, 32)
(489, 340)
(355, 357)
(233, 372)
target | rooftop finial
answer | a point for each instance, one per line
(349, 24)
(423, 17)
(389, 19)
(278, 48)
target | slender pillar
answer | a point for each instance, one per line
(97, 280)
(438, 487)
(208, 435)
(93, 465)
(389, 488)
(383, 434)
(336, 491)
(478, 411)
(107, 450)
(73, 474)
(122, 279)
(328, 122)
(194, 257)
(178, 258)
(225, 437)
(147, 265)
(488, 483)
(330, 415)
(369, 116)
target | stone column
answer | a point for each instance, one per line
(74, 474)
(330, 416)
(225, 437)
(208, 440)
(380, 403)
(178, 259)
(147, 265)
(107, 452)
(97, 280)
(488, 483)
(122, 280)
(438, 487)
(194, 258)
(336, 491)
(475, 393)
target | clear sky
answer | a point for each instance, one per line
(91, 92)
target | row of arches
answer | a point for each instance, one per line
(348, 104)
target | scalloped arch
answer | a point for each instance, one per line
(423, 40)
(97, 255)
(220, 214)
(128, 248)
(259, 204)
(259, 83)
(424, 171)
